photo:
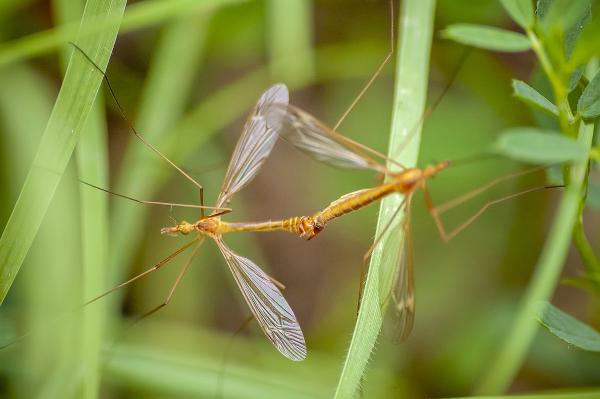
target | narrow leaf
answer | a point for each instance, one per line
(68, 118)
(589, 102)
(568, 328)
(531, 96)
(538, 146)
(521, 11)
(487, 37)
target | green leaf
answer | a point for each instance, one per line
(487, 37)
(575, 78)
(68, 118)
(589, 102)
(538, 146)
(564, 20)
(588, 45)
(521, 11)
(532, 97)
(568, 328)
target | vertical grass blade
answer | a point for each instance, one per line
(68, 117)
(92, 166)
(547, 272)
(290, 37)
(415, 33)
(92, 163)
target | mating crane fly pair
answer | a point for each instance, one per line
(274, 117)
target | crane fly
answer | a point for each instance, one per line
(325, 144)
(268, 306)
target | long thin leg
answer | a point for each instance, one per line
(448, 236)
(385, 229)
(387, 59)
(150, 270)
(202, 203)
(465, 197)
(171, 204)
(153, 268)
(367, 256)
(129, 123)
(184, 269)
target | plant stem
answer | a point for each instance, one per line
(546, 275)
(560, 92)
(415, 32)
(585, 250)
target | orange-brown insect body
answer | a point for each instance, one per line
(405, 182)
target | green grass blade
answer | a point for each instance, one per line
(140, 15)
(92, 165)
(92, 162)
(290, 40)
(524, 326)
(416, 31)
(68, 117)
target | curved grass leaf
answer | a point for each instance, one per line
(568, 328)
(589, 102)
(538, 146)
(487, 37)
(68, 117)
(521, 11)
(412, 68)
(531, 96)
(141, 14)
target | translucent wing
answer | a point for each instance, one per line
(311, 136)
(400, 300)
(255, 144)
(269, 307)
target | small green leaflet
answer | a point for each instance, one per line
(568, 328)
(538, 146)
(487, 37)
(589, 102)
(531, 96)
(521, 11)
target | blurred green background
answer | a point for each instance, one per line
(186, 76)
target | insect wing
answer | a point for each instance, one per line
(399, 291)
(255, 144)
(314, 138)
(269, 307)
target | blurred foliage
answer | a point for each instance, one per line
(186, 74)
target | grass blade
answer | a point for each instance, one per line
(140, 15)
(68, 117)
(416, 31)
(92, 166)
(290, 40)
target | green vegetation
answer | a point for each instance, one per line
(186, 72)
